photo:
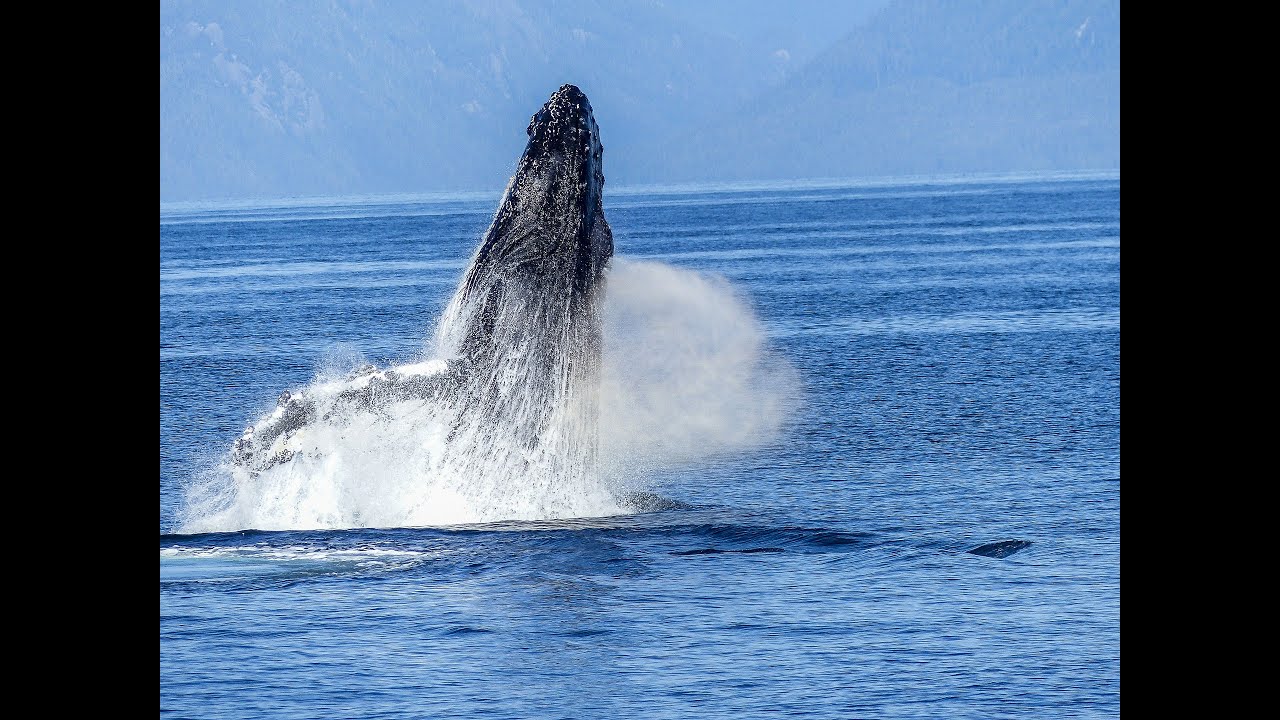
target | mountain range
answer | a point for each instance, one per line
(279, 98)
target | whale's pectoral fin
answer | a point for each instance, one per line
(392, 387)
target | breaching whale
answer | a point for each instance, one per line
(516, 375)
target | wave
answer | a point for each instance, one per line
(604, 545)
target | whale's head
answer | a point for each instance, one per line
(542, 261)
(564, 148)
(550, 225)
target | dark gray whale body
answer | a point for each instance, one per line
(529, 301)
(521, 335)
(1001, 549)
(549, 240)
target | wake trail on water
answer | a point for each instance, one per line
(686, 373)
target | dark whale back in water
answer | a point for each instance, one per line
(1001, 549)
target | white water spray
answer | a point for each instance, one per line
(686, 374)
(687, 371)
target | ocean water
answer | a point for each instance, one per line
(884, 376)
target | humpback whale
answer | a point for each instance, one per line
(515, 379)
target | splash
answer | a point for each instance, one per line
(686, 374)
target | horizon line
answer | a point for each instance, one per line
(429, 196)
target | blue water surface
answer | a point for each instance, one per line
(958, 344)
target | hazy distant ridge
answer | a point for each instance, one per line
(937, 86)
(294, 98)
